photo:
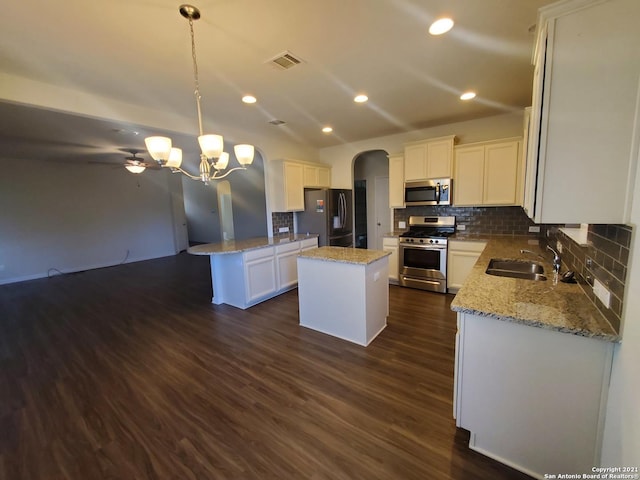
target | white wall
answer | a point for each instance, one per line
(621, 446)
(71, 218)
(341, 157)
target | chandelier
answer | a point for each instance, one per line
(213, 160)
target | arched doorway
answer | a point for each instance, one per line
(371, 199)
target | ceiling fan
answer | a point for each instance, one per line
(135, 164)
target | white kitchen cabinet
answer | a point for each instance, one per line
(488, 173)
(583, 138)
(286, 260)
(317, 176)
(462, 255)
(259, 274)
(245, 278)
(287, 186)
(428, 159)
(391, 244)
(532, 398)
(396, 181)
(308, 244)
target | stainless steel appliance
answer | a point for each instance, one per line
(436, 191)
(423, 253)
(329, 213)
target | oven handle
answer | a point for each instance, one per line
(422, 247)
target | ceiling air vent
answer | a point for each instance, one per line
(277, 122)
(285, 60)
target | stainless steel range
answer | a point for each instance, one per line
(423, 253)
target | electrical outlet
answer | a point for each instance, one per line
(402, 224)
(461, 227)
(283, 230)
(602, 293)
(534, 229)
(559, 246)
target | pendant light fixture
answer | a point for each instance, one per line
(213, 160)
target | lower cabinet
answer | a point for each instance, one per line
(390, 244)
(259, 274)
(462, 256)
(243, 279)
(532, 398)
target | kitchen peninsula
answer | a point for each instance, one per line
(247, 272)
(344, 292)
(533, 360)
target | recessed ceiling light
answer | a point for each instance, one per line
(360, 98)
(327, 129)
(249, 99)
(440, 26)
(468, 95)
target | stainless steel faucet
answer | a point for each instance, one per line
(557, 261)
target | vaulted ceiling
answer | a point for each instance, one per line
(138, 53)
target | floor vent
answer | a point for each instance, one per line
(285, 60)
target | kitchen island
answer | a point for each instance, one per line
(532, 366)
(344, 292)
(247, 272)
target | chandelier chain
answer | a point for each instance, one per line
(195, 75)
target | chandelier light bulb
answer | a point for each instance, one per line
(175, 158)
(211, 145)
(244, 154)
(159, 148)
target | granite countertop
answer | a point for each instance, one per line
(357, 256)
(563, 307)
(236, 246)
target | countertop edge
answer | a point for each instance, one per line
(500, 298)
(230, 247)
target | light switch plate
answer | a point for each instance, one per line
(402, 224)
(534, 229)
(602, 293)
(461, 227)
(283, 229)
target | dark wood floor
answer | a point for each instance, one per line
(130, 373)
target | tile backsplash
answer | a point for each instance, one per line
(605, 257)
(281, 219)
(477, 220)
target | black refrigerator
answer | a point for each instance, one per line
(329, 213)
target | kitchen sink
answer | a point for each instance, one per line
(516, 269)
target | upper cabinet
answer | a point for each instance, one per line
(289, 178)
(428, 159)
(317, 176)
(583, 141)
(396, 181)
(488, 173)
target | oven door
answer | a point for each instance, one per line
(423, 267)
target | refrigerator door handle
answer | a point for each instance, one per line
(343, 203)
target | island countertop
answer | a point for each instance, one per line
(236, 246)
(546, 304)
(358, 256)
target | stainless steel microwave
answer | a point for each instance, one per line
(436, 191)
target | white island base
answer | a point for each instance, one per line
(344, 292)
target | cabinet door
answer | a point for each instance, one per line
(439, 155)
(310, 176)
(294, 186)
(501, 173)
(287, 269)
(458, 268)
(468, 176)
(588, 119)
(415, 162)
(396, 181)
(324, 177)
(260, 278)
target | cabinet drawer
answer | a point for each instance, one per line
(259, 253)
(467, 245)
(309, 243)
(288, 247)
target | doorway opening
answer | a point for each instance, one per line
(371, 195)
